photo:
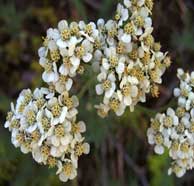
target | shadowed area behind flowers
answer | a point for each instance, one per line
(120, 154)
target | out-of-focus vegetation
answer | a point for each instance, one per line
(120, 154)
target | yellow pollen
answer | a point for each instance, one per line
(15, 124)
(88, 29)
(40, 102)
(138, 73)
(65, 34)
(74, 30)
(175, 146)
(146, 58)
(106, 84)
(159, 139)
(126, 90)
(113, 61)
(114, 104)
(48, 67)
(9, 116)
(35, 135)
(20, 138)
(128, 28)
(52, 162)
(168, 122)
(79, 149)
(157, 47)
(184, 147)
(56, 110)
(155, 92)
(192, 127)
(45, 150)
(155, 125)
(80, 52)
(180, 112)
(59, 131)
(30, 117)
(133, 54)
(120, 48)
(55, 55)
(149, 4)
(117, 16)
(149, 40)
(112, 32)
(180, 128)
(139, 21)
(45, 123)
(68, 168)
(97, 44)
(153, 75)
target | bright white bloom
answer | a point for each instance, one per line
(174, 130)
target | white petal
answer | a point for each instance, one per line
(87, 57)
(99, 89)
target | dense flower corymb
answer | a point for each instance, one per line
(123, 52)
(46, 126)
(175, 129)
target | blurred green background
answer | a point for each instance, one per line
(120, 154)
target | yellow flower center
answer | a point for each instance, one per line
(128, 28)
(185, 147)
(159, 139)
(168, 122)
(80, 52)
(175, 146)
(113, 61)
(155, 125)
(79, 149)
(35, 135)
(112, 32)
(114, 104)
(59, 131)
(149, 4)
(55, 55)
(133, 54)
(149, 40)
(51, 161)
(45, 123)
(117, 16)
(65, 34)
(120, 48)
(146, 58)
(155, 91)
(40, 102)
(15, 124)
(9, 116)
(157, 47)
(180, 128)
(106, 84)
(68, 168)
(139, 21)
(126, 90)
(30, 117)
(56, 110)
(180, 112)
(45, 150)
(88, 29)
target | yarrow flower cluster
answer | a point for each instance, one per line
(174, 130)
(123, 50)
(46, 125)
(131, 63)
